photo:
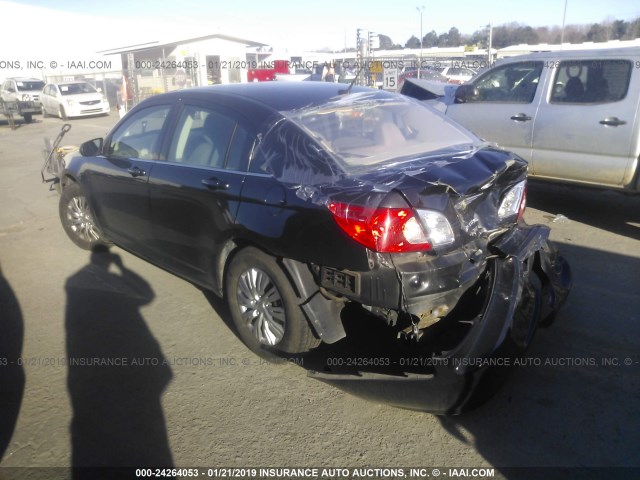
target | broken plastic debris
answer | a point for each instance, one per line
(559, 218)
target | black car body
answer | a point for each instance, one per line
(294, 199)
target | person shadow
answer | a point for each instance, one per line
(12, 376)
(116, 370)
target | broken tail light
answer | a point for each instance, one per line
(392, 229)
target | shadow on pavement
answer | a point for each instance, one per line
(574, 399)
(615, 212)
(575, 402)
(117, 372)
(12, 377)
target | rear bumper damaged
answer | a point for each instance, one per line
(519, 285)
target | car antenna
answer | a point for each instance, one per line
(348, 90)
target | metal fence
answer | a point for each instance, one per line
(145, 82)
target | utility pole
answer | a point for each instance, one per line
(420, 10)
(564, 17)
(489, 55)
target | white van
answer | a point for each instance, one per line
(573, 115)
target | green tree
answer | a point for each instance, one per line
(385, 42)
(633, 30)
(619, 29)
(430, 39)
(413, 42)
(597, 33)
(454, 39)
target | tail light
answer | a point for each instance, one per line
(392, 229)
(514, 202)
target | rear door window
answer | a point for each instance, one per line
(206, 137)
(591, 81)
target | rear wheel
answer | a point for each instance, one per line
(264, 307)
(77, 218)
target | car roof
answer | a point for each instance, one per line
(69, 83)
(25, 79)
(586, 53)
(279, 96)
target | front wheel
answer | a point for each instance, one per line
(62, 113)
(264, 307)
(28, 117)
(77, 218)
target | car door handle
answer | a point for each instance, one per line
(612, 122)
(521, 117)
(214, 183)
(136, 172)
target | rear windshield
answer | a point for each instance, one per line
(29, 86)
(370, 128)
(76, 88)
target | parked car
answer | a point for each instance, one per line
(73, 99)
(573, 115)
(457, 74)
(24, 94)
(291, 200)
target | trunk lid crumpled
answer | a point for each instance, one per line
(508, 271)
(468, 188)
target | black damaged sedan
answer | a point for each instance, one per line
(294, 200)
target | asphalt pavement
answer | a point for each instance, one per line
(196, 397)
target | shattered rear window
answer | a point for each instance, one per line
(369, 128)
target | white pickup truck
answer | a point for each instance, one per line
(573, 115)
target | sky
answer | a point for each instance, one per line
(81, 28)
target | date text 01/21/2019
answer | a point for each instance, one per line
(386, 361)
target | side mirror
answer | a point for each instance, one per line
(466, 92)
(91, 148)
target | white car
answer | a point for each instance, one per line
(73, 99)
(457, 74)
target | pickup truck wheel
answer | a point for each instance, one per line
(263, 306)
(77, 218)
(61, 113)
(28, 117)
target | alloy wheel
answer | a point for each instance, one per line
(261, 306)
(81, 220)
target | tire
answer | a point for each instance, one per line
(28, 117)
(78, 220)
(62, 114)
(44, 111)
(264, 307)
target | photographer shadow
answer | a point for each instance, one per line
(12, 376)
(117, 372)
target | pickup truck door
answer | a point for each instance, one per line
(504, 106)
(587, 126)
